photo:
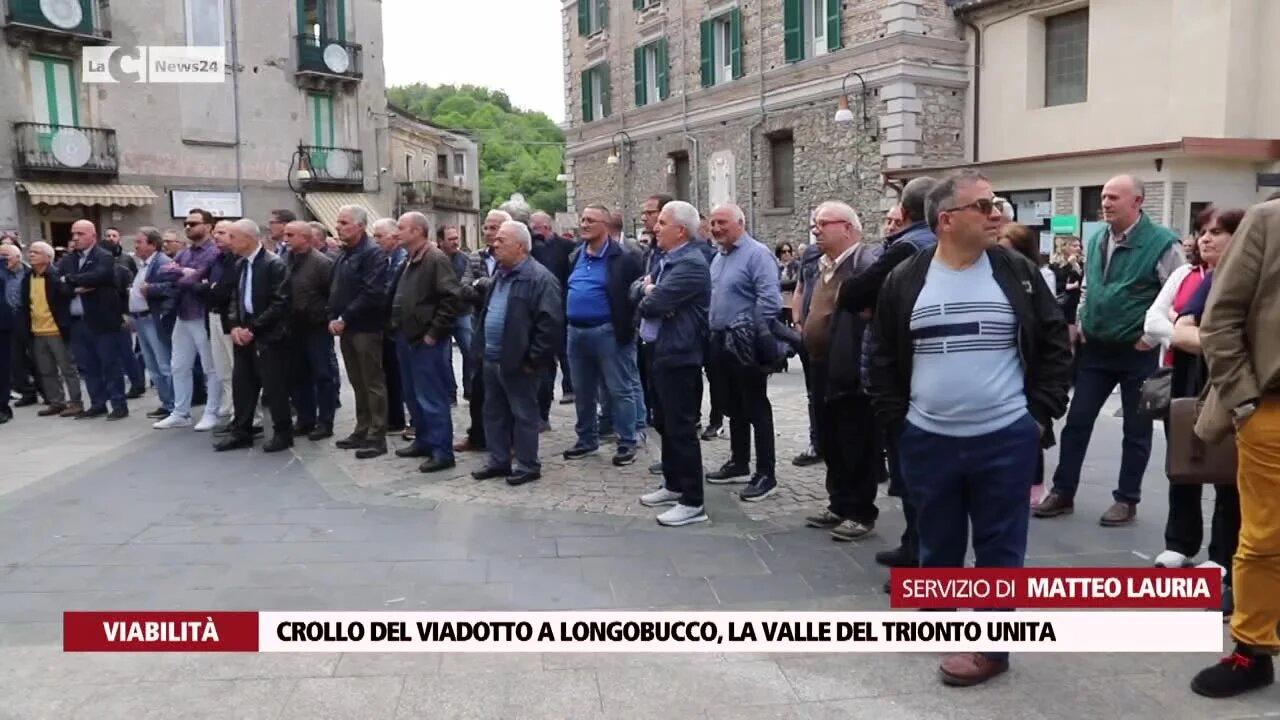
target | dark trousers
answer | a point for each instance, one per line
(260, 370)
(1102, 367)
(362, 354)
(814, 400)
(846, 426)
(910, 540)
(546, 391)
(6, 360)
(1184, 528)
(511, 418)
(678, 394)
(644, 362)
(21, 364)
(129, 361)
(424, 370)
(395, 384)
(475, 433)
(716, 417)
(314, 383)
(984, 480)
(98, 357)
(746, 402)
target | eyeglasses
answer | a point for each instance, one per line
(982, 205)
(191, 223)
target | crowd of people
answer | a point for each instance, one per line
(238, 322)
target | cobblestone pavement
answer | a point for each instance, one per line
(97, 515)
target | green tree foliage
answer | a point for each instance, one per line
(512, 158)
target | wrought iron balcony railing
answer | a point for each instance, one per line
(43, 148)
(327, 57)
(332, 167)
(425, 193)
(72, 18)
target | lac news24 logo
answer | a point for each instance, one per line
(132, 64)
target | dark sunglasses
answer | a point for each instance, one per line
(983, 205)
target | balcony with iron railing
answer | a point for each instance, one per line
(77, 21)
(327, 168)
(43, 149)
(428, 194)
(325, 59)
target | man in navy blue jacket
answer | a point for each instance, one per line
(88, 277)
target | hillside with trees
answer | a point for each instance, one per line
(520, 151)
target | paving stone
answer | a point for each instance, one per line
(692, 688)
(651, 592)
(205, 700)
(343, 697)
(731, 589)
(554, 695)
(387, 664)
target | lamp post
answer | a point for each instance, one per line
(845, 116)
(302, 161)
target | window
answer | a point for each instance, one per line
(206, 25)
(595, 93)
(810, 28)
(442, 166)
(680, 176)
(408, 167)
(426, 167)
(645, 4)
(322, 128)
(722, 48)
(1066, 58)
(54, 98)
(1091, 204)
(782, 154)
(459, 164)
(322, 19)
(651, 69)
(593, 16)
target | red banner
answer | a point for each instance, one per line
(1052, 588)
(160, 632)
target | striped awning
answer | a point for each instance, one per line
(325, 206)
(77, 194)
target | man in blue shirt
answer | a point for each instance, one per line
(601, 335)
(744, 287)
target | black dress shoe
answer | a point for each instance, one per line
(728, 473)
(278, 443)
(26, 401)
(5, 417)
(413, 451)
(321, 432)
(436, 465)
(490, 473)
(896, 558)
(118, 414)
(233, 442)
(372, 450)
(352, 442)
(300, 429)
(135, 393)
(522, 477)
(91, 413)
(158, 414)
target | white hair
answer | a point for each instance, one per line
(247, 226)
(359, 215)
(517, 209)
(385, 223)
(502, 215)
(43, 248)
(684, 215)
(738, 215)
(11, 250)
(540, 215)
(846, 213)
(419, 220)
(521, 232)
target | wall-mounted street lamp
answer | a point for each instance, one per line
(625, 146)
(845, 116)
(301, 160)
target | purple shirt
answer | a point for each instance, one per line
(191, 301)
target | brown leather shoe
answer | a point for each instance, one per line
(1053, 505)
(966, 669)
(1118, 515)
(72, 410)
(464, 445)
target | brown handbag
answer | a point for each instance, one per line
(1190, 460)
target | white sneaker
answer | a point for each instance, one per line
(682, 515)
(660, 497)
(1212, 564)
(1171, 559)
(173, 421)
(207, 423)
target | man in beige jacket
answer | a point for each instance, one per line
(1240, 335)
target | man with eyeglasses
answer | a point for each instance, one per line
(968, 308)
(190, 274)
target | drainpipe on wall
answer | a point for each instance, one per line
(751, 133)
(235, 102)
(977, 77)
(694, 164)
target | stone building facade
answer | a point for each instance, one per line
(436, 172)
(759, 131)
(303, 90)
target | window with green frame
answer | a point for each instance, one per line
(323, 19)
(595, 93)
(651, 70)
(323, 134)
(721, 48)
(810, 28)
(593, 16)
(54, 96)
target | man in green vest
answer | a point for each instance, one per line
(1126, 264)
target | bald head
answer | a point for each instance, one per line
(83, 235)
(243, 237)
(1122, 198)
(297, 237)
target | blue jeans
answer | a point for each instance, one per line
(605, 420)
(98, 356)
(191, 340)
(424, 379)
(1102, 367)
(984, 480)
(462, 339)
(155, 354)
(596, 358)
(315, 385)
(511, 417)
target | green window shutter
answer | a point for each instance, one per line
(341, 12)
(708, 50)
(834, 11)
(735, 40)
(663, 70)
(606, 101)
(792, 33)
(584, 17)
(586, 96)
(641, 76)
(637, 4)
(602, 14)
